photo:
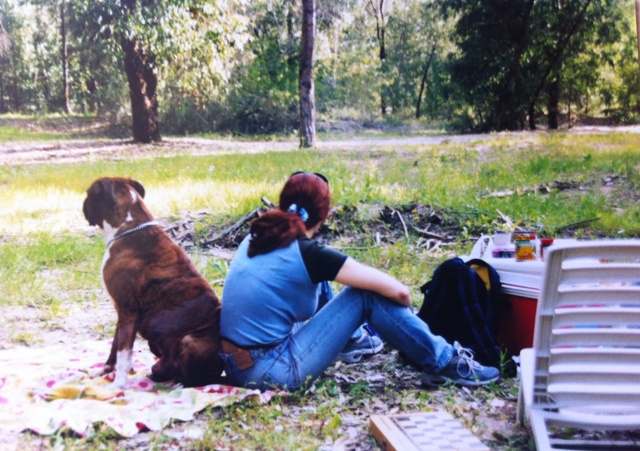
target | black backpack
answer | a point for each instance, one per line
(459, 306)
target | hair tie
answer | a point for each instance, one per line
(293, 208)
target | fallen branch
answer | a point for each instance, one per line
(430, 244)
(556, 185)
(575, 224)
(506, 219)
(427, 234)
(267, 202)
(406, 232)
(234, 228)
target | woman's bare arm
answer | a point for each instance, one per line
(358, 275)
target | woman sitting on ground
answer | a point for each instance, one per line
(273, 333)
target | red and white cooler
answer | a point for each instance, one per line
(521, 283)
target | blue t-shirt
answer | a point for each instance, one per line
(266, 295)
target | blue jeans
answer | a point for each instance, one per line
(311, 348)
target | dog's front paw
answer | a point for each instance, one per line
(119, 382)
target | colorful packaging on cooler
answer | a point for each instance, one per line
(525, 246)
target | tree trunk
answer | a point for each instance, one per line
(553, 100)
(423, 83)
(46, 90)
(383, 58)
(65, 61)
(638, 29)
(4, 57)
(508, 108)
(554, 61)
(17, 98)
(2, 108)
(306, 82)
(142, 90)
(532, 117)
(378, 12)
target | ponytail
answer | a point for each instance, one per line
(304, 203)
(273, 230)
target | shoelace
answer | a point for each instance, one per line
(465, 356)
(365, 336)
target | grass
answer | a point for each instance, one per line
(43, 127)
(50, 257)
(44, 202)
(45, 268)
(15, 134)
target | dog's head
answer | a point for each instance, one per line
(110, 199)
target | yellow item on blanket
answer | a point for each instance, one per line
(65, 392)
(92, 391)
(100, 393)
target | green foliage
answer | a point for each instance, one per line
(416, 37)
(513, 52)
(233, 66)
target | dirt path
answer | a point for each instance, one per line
(81, 150)
(29, 153)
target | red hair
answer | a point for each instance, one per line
(279, 228)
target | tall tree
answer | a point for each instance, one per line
(64, 56)
(564, 22)
(637, 2)
(187, 41)
(492, 37)
(307, 90)
(423, 80)
(513, 51)
(140, 66)
(51, 49)
(5, 45)
(377, 10)
(413, 45)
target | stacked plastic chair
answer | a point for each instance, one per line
(583, 373)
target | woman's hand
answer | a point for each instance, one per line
(357, 275)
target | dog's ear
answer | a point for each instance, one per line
(100, 200)
(137, 186)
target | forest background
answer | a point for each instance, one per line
(192, 66)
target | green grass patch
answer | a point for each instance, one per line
(14, 134)
(43, 270)
(45, 201)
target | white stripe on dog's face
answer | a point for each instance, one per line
(134, 198)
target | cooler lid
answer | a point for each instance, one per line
(523, 292)
(526, 275)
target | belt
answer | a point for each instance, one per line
(242, 356)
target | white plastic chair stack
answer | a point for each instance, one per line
(584, 368)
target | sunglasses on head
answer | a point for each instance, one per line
(314, 173)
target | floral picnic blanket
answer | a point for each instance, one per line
(45, 389)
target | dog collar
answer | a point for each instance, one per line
(135, 229)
